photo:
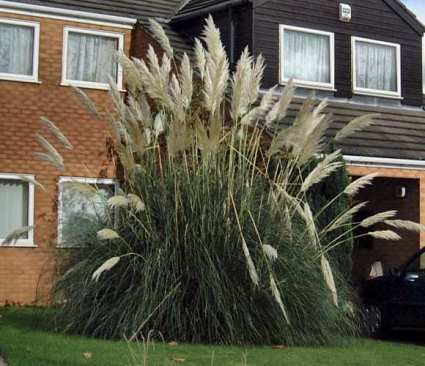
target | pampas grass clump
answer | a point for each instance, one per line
(211, 237)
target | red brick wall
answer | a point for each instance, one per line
(26, 273)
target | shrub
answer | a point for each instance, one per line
(212, 237)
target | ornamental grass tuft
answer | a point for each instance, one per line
(211, 237)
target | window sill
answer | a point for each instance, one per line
(18, 246)
(311, 86)
(378, 95)
(82, 85)
(19, 80)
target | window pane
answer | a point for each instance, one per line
(376, 66)
(16, 49)
(91, 58)
(79, 208)
(307, 56)
(13, 206)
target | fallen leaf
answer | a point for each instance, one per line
(279, 346)
(88, 355)
(173, 344)
(179, 360)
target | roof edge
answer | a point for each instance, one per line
(207, 10)
(407, 15)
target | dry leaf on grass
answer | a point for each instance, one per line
(88, 355)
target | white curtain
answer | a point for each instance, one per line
(91, 57)
(376, 66)
(16, 49)
(13, 206)
(307, 56)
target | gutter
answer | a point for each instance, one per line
(209, 9)
(64, 13)
(376, 162)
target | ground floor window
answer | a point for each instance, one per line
(81, 200)
(16, 208)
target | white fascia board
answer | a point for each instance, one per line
(369, 161)
(66, 14)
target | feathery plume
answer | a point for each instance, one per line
(57, 133)
(107, 234)
(329, 278)
(385, 235)
(356, 125)
(136, 202)
(346, 216)
(85, 101)
(200, 57)
(323, 170)
(118, 202)
(51, 155)
(31, 180)
(270, 252)
(278, 112)
(406, 225)
(107, 266)
(186, 80)
(161, 37)
(278, 298)
(353, 188)
(378, 218)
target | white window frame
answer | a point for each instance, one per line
(90, 84)
(303, 83)
(84, 180)
(36, 52)
(373, 92)
(29, 242)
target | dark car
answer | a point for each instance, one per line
(397, 299)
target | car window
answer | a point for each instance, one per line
(417, 267)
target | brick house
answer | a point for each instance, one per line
(366, 57)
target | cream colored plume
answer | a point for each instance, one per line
(57, 133)
(378, 218)
(329, 278)
(107, 266)
(278, 298)
(107, 234)
(161, 37)
(323, 170)
(353, 188)
(356, 125)
(385, 235)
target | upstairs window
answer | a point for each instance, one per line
(81, 201)
(90, 58)
(16, 208)
(376, 68)
(19, 42)
(307, 57)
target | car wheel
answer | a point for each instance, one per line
(375, 321)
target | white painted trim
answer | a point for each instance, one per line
(85, 180)
(87, 84)
(25, 243)
(373, 92)
(67, 14)
(302, 83)
(369, 161)
(36, 51)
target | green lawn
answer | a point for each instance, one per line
(26, 341)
